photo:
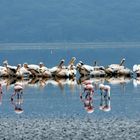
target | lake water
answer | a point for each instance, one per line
(60, 98)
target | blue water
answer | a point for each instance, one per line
(61, 98)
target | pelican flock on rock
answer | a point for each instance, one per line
(67, 71)
(118, 70)
(94, 71)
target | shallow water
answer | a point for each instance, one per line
(60, 98)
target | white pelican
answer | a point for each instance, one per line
(71, 68)
(44, 71)
(94, 71)
(38, 70)
(3, 72)
(98, 71)
(11, 70)
(136, 69)
(23, 72)
(34, 69)
(60, 70)
(84, 69)
(118, 69)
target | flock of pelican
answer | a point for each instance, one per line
(101, 71)
(32, 70)
(61, 71)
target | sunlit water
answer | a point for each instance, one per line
(60, 98)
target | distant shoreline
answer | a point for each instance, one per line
(35, 46)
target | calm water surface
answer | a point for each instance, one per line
(49, 98)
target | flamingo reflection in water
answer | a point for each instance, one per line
(17, 98)
(1, 92)
(95, 81)
(87, 97)
(105, 98)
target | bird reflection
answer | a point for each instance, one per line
(62, 82)
(86, 96)
(39, 82)
(105, 98)
(1, 93)
(136, 81)
(17, 98)
(118, 80)
(93, 79)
